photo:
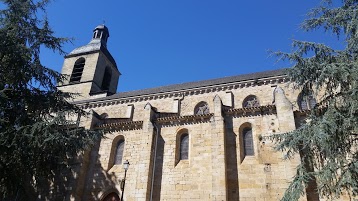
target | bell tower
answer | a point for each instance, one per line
(92, 71)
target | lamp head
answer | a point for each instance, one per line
(126, 165)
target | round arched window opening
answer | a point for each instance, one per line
(250, 101)
(201, 108)
(306, 102)
(77, 70)
(119, 152)
(106, 82)
(248, 142)
(184, 147)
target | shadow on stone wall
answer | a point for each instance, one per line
(231, 162)
(86, 180)
(49, 187)
(97, 181)
(158, 169)
(67, 182)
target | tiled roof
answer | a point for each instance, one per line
(90, 47)
(191, 85)
(94, 46)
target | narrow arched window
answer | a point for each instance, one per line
(250, 101)
(98, 34)
(306, 102)
(119, 152)
(201, 108)
(311, 101)
(77, 70)
(302, 104)
(248, 142)
(106, 78)
(184, 146)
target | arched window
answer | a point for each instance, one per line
(106, 78)
(248, 142)
(250, 101)
(184, 146)
(119, 152)
(306, 102)
(77, 70)
(97, 34)
(201, 108)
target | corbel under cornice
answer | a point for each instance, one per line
(184, 119)
(120, 125)
(251, 111)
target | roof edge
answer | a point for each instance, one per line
(204, 86)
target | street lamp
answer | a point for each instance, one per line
(123, 182)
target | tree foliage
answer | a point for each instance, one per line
(328, 141)
(37, 137)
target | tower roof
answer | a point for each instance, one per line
(89, 48)
(97, 43)
(102, 26)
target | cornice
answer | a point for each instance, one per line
(301, 112)
(182, 120)
(172, 119)
(120, 125)
(318, 111)
(180, 93)
(251, 111)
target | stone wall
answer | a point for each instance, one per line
(151, 125)
(216, 168)
(92, 76)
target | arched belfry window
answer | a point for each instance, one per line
(248, 147)
(306, 102)
(97, 34)
(201, 108)
(77, 70)
(119, 152)
(184, 147)
(250, 101)
(106, 78)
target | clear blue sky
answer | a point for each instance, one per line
(162, 42)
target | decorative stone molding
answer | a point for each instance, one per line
(180, 93)
(319, 110)
(116, 124)
(169, 119)
(181, 120)
(252, 111)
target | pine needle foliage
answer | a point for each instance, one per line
(37, 139)
(328, 141)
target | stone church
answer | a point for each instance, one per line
(202, 140)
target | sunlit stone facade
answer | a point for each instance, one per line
(202, 140)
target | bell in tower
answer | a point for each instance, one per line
(92, 71)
